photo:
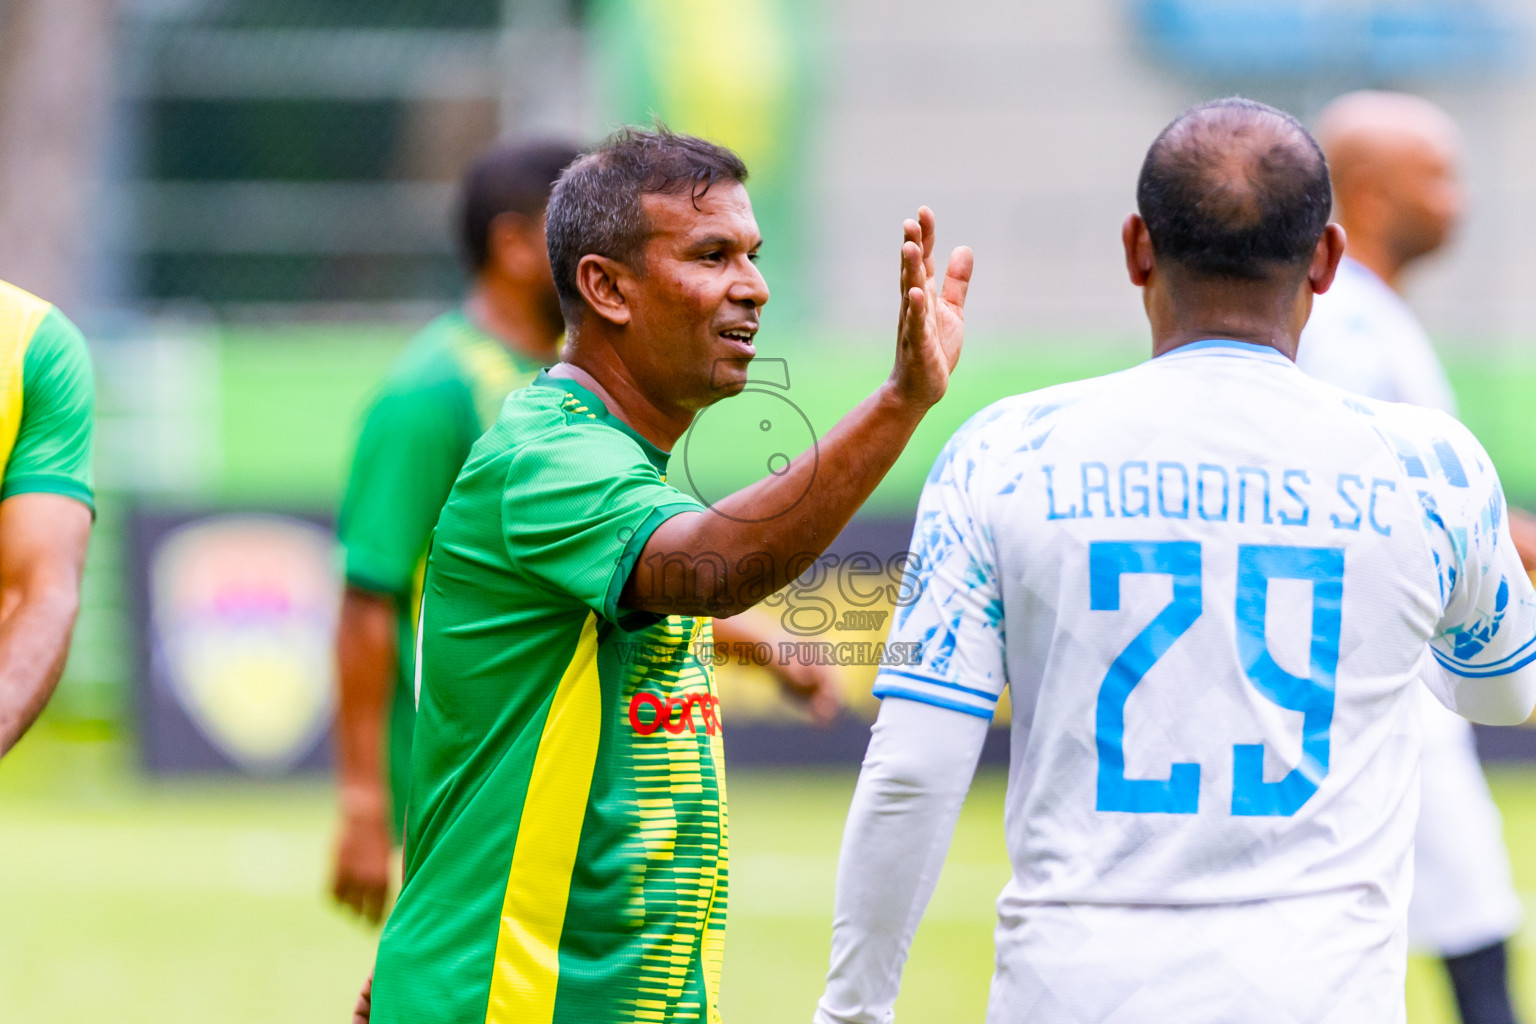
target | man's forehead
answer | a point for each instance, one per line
(724, 209)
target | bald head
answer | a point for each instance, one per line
(1396, 172)
(1367, 129)
(1235, 190)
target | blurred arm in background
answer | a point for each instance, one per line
(1522, 530)
(42, 557)
(408, 452)
(365, 672)
(364, 1007)
(812, 686)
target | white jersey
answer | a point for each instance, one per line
(1212, 584)
(1363, 337)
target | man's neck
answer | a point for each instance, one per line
(1185, 311)
(512, 317)
(599, 370)
(1268, 336)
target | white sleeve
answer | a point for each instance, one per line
(1485, 644)
(919, 766)
(923, 753)
(949, 618)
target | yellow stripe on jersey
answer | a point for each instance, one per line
(492, 372)
(713, 945)
(20, 314)
(527, 966)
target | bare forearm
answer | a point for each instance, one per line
(842, 471)
(757, 540)
(365, 669)
(34, 644)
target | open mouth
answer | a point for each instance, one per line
(741, 336)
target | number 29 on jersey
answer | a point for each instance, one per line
(1311, 695)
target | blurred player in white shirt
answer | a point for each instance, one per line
(1213, 585)
(1395, 165)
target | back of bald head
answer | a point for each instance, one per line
(1361, 131)
(1235, 190)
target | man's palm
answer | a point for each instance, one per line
(932, 313)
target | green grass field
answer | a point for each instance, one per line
(183, 903)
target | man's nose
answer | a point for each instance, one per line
(749, 286)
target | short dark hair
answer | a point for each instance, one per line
(1235, 189)
(510, 177)
(596, 205)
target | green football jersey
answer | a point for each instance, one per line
(47, 394)
(442, 394)
(565, 853)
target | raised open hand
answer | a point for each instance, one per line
(932, 326)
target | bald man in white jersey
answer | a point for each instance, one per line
(1395, 164)
(1213, 586)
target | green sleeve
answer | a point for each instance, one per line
(412, 446)
(52, 454)
(576, 512)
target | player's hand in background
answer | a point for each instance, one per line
(932, 324)
(364, 1005)
(1522, 530)
(813, 687)
(361, 867)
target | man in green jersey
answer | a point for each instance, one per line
(442, 393)
(46, 503)
(566, 842)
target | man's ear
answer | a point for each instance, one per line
(601, 281)
(1325, 259)
(1138, 249)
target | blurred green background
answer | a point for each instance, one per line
(281, 406)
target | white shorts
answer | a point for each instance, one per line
(1463, 896)
(1330, 959)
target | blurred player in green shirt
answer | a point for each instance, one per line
(566, 838)
(46, 502)
(442, 393)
